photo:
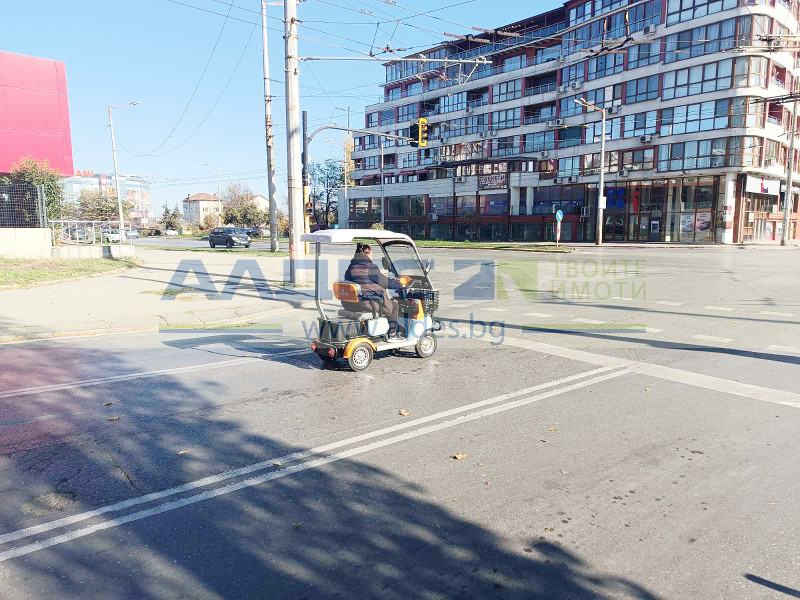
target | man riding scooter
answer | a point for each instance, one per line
(374, 286)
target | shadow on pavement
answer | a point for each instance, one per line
(792, 592)
(347, 529)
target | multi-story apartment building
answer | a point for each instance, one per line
(135, 190)
(696, 152)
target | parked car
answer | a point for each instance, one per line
(111, 235)
(254, 232)
(76, 234)
(132, 233)
(228, 237)
(171, 232)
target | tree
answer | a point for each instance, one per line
(209, 222)
(92, 205)
(35, 172)
(326, 178)
(283, 224)
(170, 218)
(239, 208)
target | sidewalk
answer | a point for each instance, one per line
(133, 300)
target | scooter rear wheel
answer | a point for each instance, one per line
(360, 358)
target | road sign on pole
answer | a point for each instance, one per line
(559, 216)
(558, 232)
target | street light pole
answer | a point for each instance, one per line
(219, 199)
(345, 166)
(116, 167)
(601, 193)
(273, 209)
(788, 197)
(294, 143)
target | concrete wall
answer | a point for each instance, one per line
(25, 242)
(126, 250)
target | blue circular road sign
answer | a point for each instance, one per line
(559, 216)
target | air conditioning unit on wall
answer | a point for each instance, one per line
(650, 29)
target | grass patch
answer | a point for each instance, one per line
(267, 253)
(19, 271)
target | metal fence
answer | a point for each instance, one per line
(22, 205)
(81, 233)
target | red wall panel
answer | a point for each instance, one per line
(34, 112)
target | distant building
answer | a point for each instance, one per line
(196, 207)
(135, 190)
(34, 113)
(259, 200)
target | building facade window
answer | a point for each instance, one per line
(579, 14)
(396, 206)
(503, 119)
(700, 79)
(605, 65)
(477, 124)
(707, 39)
(645, 123)
(639, 90)
(638, 160)
(572, 73)
(641, 55)
(453, 102)
(703, 116)
(540, 141)
(506, 146)
(610, 95)
(679, 11)
(613, 130)
(569, 167)
(509, 90)
(408, 112)
(410, 160)
(701, 154)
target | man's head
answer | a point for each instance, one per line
(364, 249)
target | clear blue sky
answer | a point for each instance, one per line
(154, 51)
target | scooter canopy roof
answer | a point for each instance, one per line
(347, 236)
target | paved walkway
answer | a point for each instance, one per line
(134, 299)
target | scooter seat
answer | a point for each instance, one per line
(355, 316)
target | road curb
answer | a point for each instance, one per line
(145, 328)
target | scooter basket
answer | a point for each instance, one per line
(430, 301)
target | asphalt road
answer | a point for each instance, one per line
(627, 418)
(182, 242)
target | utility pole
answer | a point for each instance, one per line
(293, 141)
(273, 209)
(788, 197)
(601, 193)
(306, 182)
(116, 169)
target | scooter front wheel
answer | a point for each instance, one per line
(360, 358)
(426, 345)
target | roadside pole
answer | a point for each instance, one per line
(788, 197)
(293, 141)
(273, 209)
(116, 177)
(306, 182)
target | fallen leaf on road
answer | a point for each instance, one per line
(553, 429)
(298, 525)
(183, 452)
(480, 464)
(459, 456)
(548, 529)
(107, 403)
(404, 413)
(647, 390)
(537, 510)
(487, 482)
(113, 418)
(528, 550)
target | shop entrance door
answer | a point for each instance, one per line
(615, 228)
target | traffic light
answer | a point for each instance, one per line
(423, 132)
(309, 208)
(413, 133)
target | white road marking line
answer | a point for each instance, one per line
(746, 390)
(588, 321)
(621, 298)
(37, 529)
(495, 309)
(453, 284)
(789, 349)
(669, 303)
(142, 375)
(713, 338)
(725, 308)
(458, 305)
(539, 315)
(253, 481)
(653, 330)
(776, 314)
